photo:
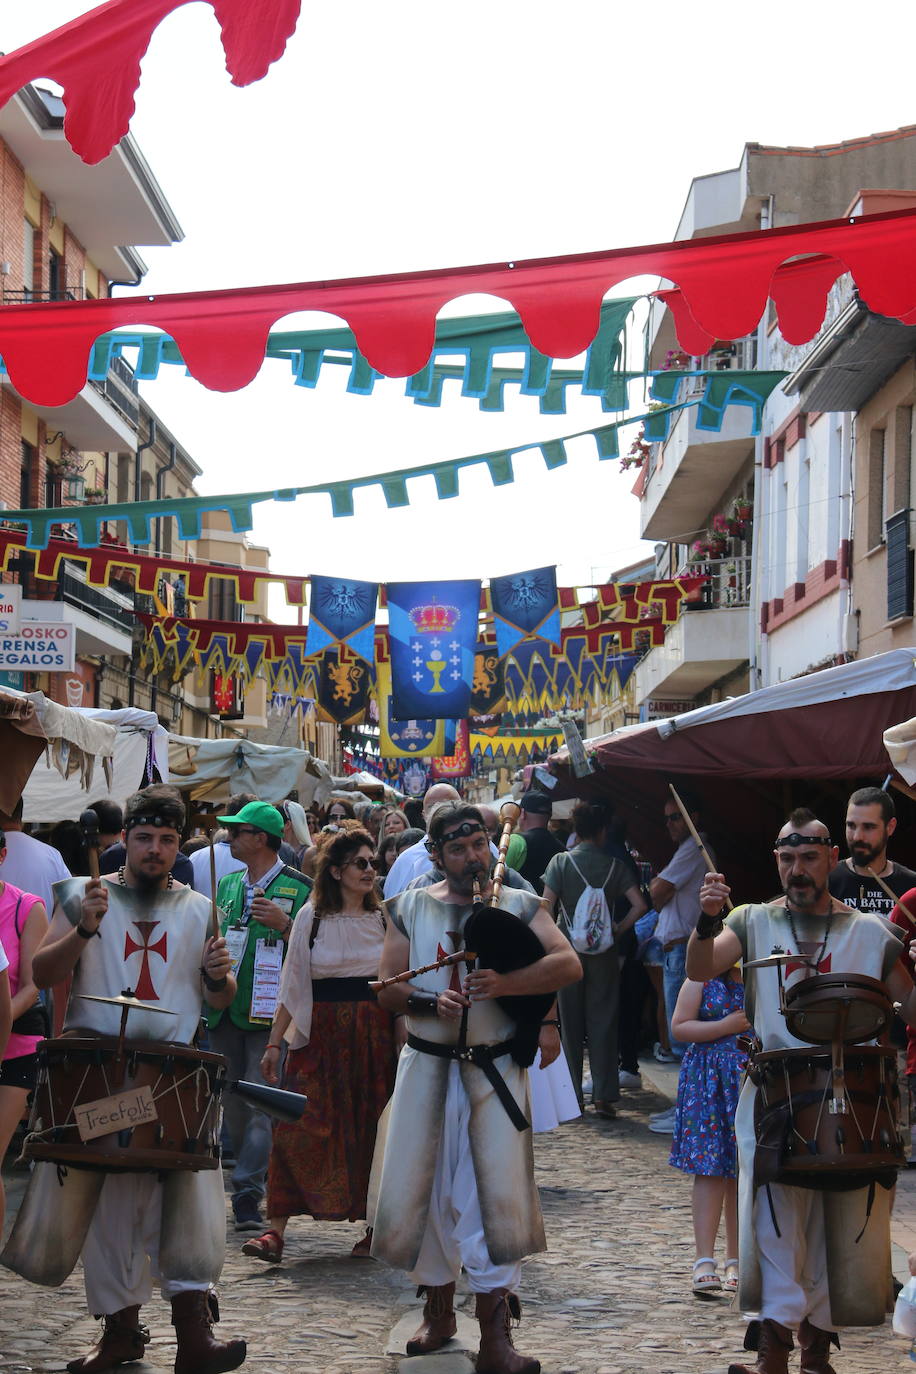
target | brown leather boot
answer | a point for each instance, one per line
(497, 1354)
(815, 1348)
(122, 1341)
(438, 1325)
(774, 1345)
(193, 1315)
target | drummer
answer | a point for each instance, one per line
(804, 1266)
(140, 929)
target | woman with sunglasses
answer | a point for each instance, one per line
(340, 1048)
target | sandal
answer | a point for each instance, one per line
(730, 1282)
(706, 1285)
(268, 1247)
(363, 1248)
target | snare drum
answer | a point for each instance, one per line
(838, 1006)
(795, 1088)
(155, 1107)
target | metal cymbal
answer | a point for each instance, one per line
(123, 1001)
(774, 961)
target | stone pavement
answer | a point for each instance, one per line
(610, 1296)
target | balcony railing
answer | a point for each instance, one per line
(21, 295)
(120, 389)
(115, 604)
(727, 585)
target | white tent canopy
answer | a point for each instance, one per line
(214, 769)
(122, 742)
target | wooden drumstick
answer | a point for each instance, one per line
(710, 867)
(89, 823)
(894, 898)
(214, 910)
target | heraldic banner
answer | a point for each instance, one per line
(524, 604)
(342, 611)
(433, 633)
(418, 737)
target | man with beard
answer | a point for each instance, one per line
(141, 929)
(457, 1182)
(870, 821)
(813, 1257)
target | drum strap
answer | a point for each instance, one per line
(868, 1206)
(772, 1212)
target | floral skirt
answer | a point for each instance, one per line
(320, 1165)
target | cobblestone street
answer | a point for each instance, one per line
(611, 1295)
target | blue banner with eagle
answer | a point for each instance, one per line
(342, 611)
(433, 632)
(525, 604)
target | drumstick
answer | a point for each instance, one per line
(696, 835)
(214, 912)
(894, 898)
(89, 823)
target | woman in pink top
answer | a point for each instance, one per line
(23, 923)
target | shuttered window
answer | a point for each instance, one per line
(899, 566)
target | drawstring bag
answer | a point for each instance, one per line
(591, 930)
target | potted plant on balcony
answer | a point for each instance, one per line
(743, 508)
(95, 496)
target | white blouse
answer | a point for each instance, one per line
(345, 947)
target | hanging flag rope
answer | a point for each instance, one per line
(479, 339)
(724, 283)
(96, 59)
(138, 515)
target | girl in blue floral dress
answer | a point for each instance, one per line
(709, 1017)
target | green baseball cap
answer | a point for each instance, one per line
(261, 815)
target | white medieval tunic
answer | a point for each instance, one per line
(816, 1268)
(129, 1226)
(494, 1161)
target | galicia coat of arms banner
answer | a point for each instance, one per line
(433, 633)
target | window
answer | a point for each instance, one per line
(26, 477)
(55, 275)
(877, 489)
(221, 600)
(28, 257)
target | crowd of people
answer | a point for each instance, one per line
(419, 1099)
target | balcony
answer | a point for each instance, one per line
(686, 475)
(708, 642)
(104, 616)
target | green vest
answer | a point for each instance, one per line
(287, 887)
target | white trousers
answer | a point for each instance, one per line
(793, 1265)
(121, 1251)
(454, 1227)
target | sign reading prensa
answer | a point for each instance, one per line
(39, 647)
(121, 1112)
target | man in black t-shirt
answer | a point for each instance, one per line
(870, 822)
(542, 843)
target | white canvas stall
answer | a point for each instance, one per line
(215, 769)
(49, 796)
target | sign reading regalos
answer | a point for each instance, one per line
(39, 646)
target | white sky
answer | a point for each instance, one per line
(416, 135)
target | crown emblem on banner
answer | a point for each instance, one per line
(429, 619)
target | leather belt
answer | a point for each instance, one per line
(673, 944)
(483, 1056)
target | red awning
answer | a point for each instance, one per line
(807, 742)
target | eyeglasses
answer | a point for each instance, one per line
(672, 816)
(245, 830)
(360, 863)
(337, 815)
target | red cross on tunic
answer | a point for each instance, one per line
(145, 992)
(454, 982)
(822, 967)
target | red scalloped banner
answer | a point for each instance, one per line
(96, 59)
(724, 283)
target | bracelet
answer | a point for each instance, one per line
(83, 933)
(707, 926)
(423, 1004)
(272, 1047)
(213, 984)
(554, 1022)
